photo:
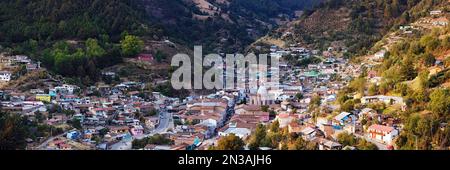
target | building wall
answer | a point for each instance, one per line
(44, 98)
(5, 77)
(386, 138)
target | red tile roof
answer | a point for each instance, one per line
(380, 128)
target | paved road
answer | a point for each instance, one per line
(122, 145)
(45, 143)
(381, 146)
(165, 123)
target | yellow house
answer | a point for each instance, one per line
(43, 97)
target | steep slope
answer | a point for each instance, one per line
(415, 66)
(221, 25)
(76, 38)
(353, 24)
(215, 24)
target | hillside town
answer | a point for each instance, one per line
(113, 116)
(119, 116)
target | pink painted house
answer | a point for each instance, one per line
(145, 57)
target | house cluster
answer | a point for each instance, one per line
(9, 63)
(268, 102)
(239, 111)
(205, 114)
(292, 112)
(120, 110)
(293, 49)
(438, 18)
(407, 29)
(112, 116)
(245, 120)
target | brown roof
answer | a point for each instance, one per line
(113, 128)
(249, 107)
(381, 128)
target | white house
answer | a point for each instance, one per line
(382, 133)
(440, 22)
(240, 132)
(381, 98)
(308, 133)
(436, 12)
(284, 119)
(379, 55)
(5, 76)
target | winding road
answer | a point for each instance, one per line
(380, 145)
(165, 123)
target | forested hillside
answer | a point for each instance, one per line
(415, 66)
(228, 25)
(47, 20)
(418, 70)
(354, 24)
(65, 32)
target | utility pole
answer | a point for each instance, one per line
(417, 148)
(431, 134)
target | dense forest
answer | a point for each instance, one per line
(47, 20)
(76, 38)
(265, 9)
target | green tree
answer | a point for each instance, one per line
(156, 139)
(12, 132)
(230, 142)
(131, 45)
(257, 137)
(103, 132)
(93, 49)
(346, 139)
(342, 97)
(299, 144)
(152, 112)
(299, 96)
(68, 112)
(446, 41)
(407, 70)
(348, 106)
(430, 42)
(315, 102)
(358, 85)
(373, 90)
(440, 103)
(76, 124)
(275, 127)
(428, 59)
(366, 145)
(423, 78)
(40, 117)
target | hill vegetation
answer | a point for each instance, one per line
(414, 67)
(354, 25)
(224, 26)
(49, 20)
